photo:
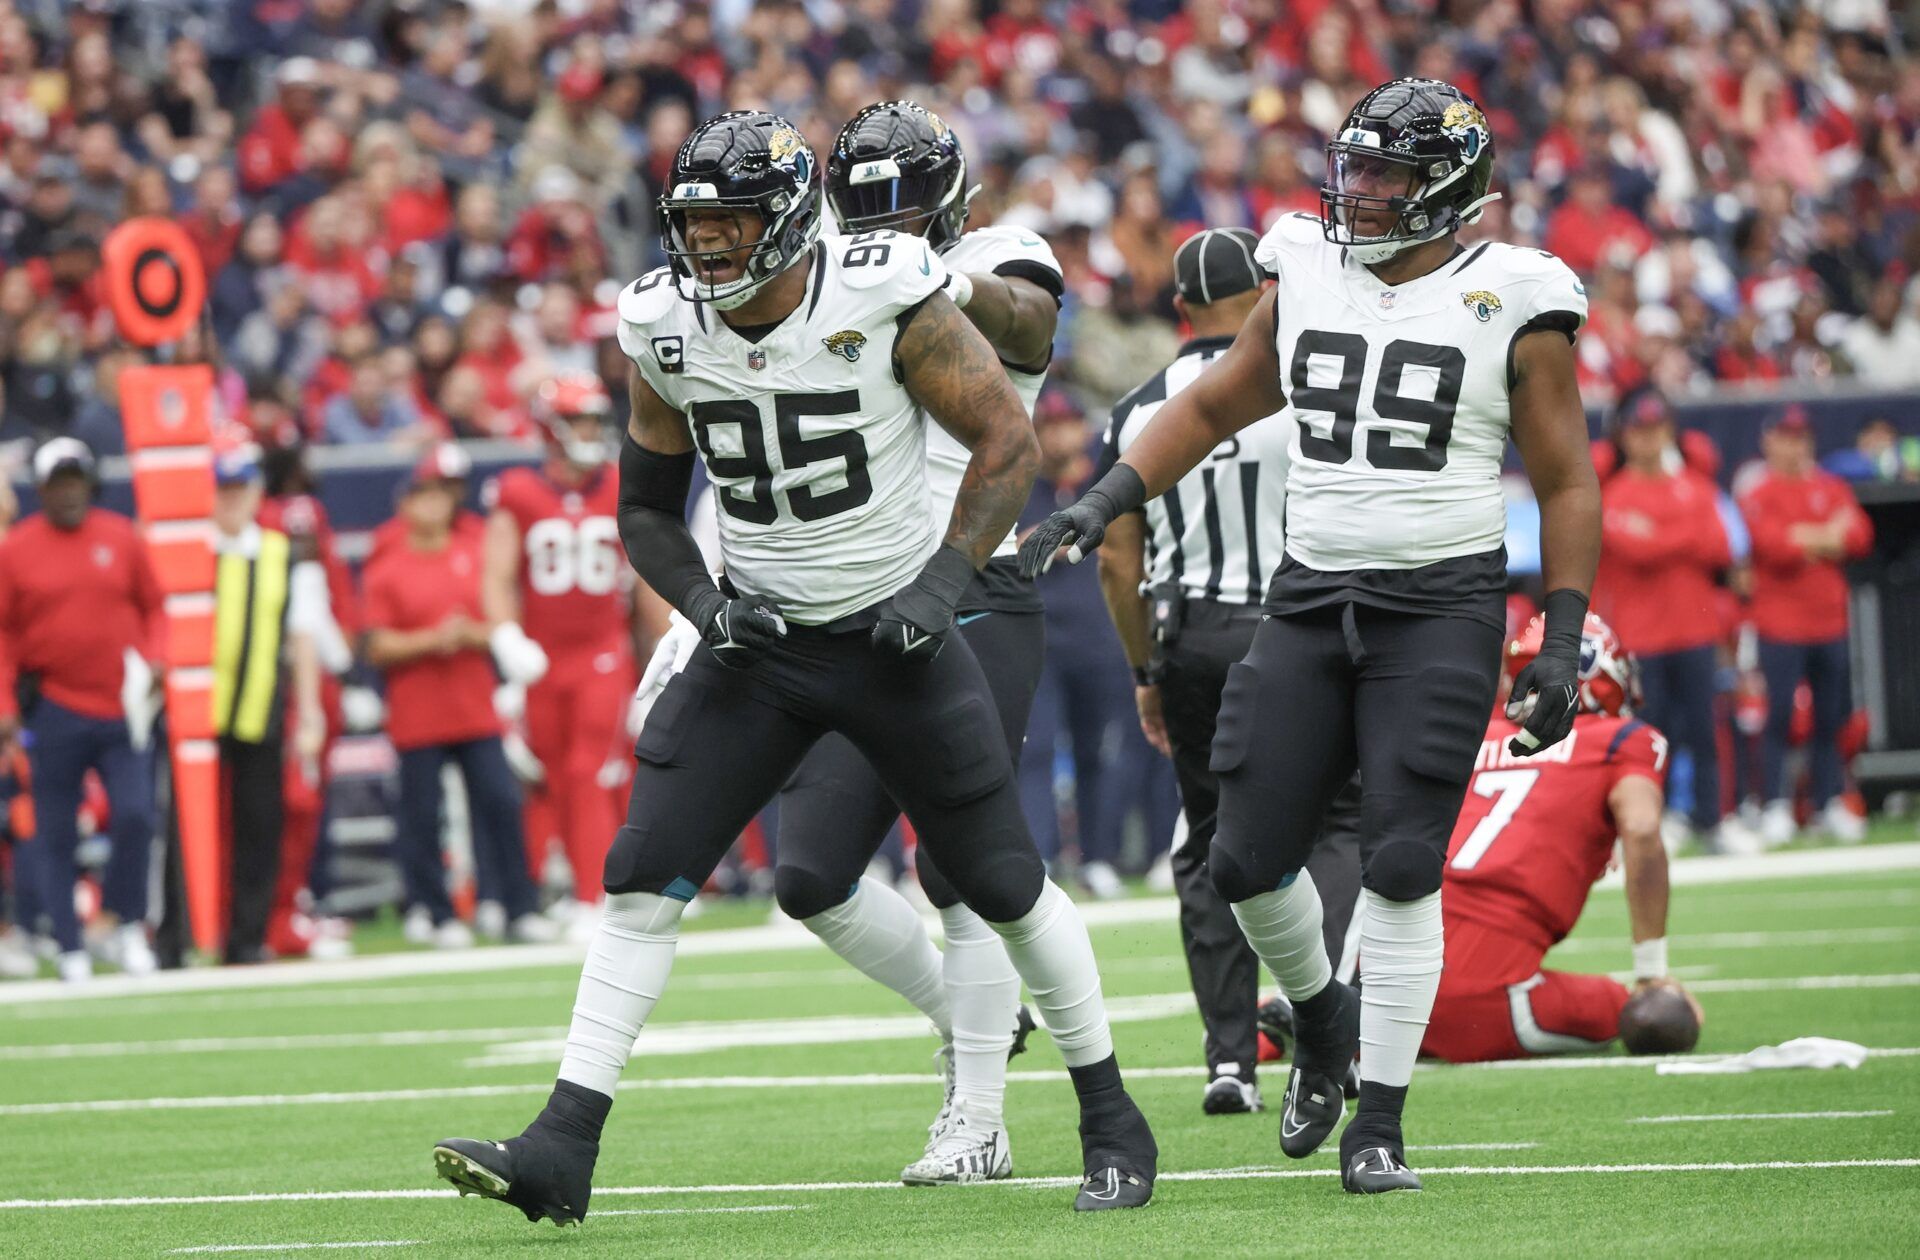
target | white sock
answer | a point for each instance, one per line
(626, 971)
(879, 932)
(1050, 949)
(1401, 950)
(1284, 928)
(984, 990)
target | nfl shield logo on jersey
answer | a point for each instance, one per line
(1483, 304)
(1387, 298)
(756, 358)
(846, 344)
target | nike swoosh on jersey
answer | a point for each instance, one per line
(971, 617)
(926, 267)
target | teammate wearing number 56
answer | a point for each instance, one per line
(555, 572)
(803, 371)
(1403, 359)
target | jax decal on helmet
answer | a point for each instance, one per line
(1424, 137)
(748, 162)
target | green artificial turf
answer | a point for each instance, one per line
(771, 1146)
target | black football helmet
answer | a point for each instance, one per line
(746, 160)
(898, 166)
(1421, 134)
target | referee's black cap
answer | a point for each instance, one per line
(1216, 264)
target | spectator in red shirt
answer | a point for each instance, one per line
(270, 151)
(81, 632)
(1662, 551)
(1806, 524)
(425, 629)
(1588, 227)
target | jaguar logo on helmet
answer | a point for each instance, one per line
(1466, 126)
(1483, 304)
(847, 344)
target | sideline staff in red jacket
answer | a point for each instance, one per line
(1662, 550)
(426, 631)
(77, 597)
(1806, 524)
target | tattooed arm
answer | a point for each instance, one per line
(1016, 316)
(950, 370)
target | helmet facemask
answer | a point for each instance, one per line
(768, 257)
(1364, 178)
(879, 196)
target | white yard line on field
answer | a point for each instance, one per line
(221, 1249)
(707, 1211)
(859, 1080)
(1749, 984)
(803, 1187)
(1760, 1115)
(1751, 940)
(1794, 864)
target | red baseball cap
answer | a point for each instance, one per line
(1793, 420)
(579, 82)
(444, 461)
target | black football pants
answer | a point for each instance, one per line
(1402, 697)
(835, 812)
(1220, 964)
(720, 742)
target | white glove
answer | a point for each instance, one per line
(138, 698)
(509, 702)
(362, 709)
(520, 659)
(669, 657)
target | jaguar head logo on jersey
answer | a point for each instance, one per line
(1412, 164)
(730, 171)
(1483, 304)
(847, 344)
(898, 166)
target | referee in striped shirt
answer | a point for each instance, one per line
(1183, 579)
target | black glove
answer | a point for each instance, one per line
(1083, 526)
(738, 630)
(914, 623)
(1554, 674)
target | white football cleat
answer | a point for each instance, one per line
(1842, 823)
(453, 934)
(490, 921)
(16, 956)
(417, 929)
(1777, 824)
(1102, 881)
(1733, 838)
(960, 1150)
(76, 966)
(533, 929)
(131, 950)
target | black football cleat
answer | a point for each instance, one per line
(1228, 1095)
(1376, 1170)
(1120, 1157)
(548, 1177)
(1023, 1027)
(1316, 1087)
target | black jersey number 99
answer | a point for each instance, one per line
(758, 505)
(868, 248)
(1342, 401)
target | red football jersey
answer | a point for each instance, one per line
(575, 585)
(1536, 832)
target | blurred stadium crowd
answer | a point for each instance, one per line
(413, 213)
(414, 210)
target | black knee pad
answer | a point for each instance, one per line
(633, 865)
(1442, 736)
(1404, 870)
(1231, 879)
(803, 893)
(1000, 877)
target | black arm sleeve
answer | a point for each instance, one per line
(653, 529)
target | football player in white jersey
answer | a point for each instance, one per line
(803, 370)
(896, 166)
(1404, 360)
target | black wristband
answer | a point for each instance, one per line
(1566, 617)
(1121, 490)
(1146, 676)
(948, 573)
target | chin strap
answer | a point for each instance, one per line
(1471, 211)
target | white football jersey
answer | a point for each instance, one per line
(1399, 395)
(996, 250)
(816, 452)
(1220, 531)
